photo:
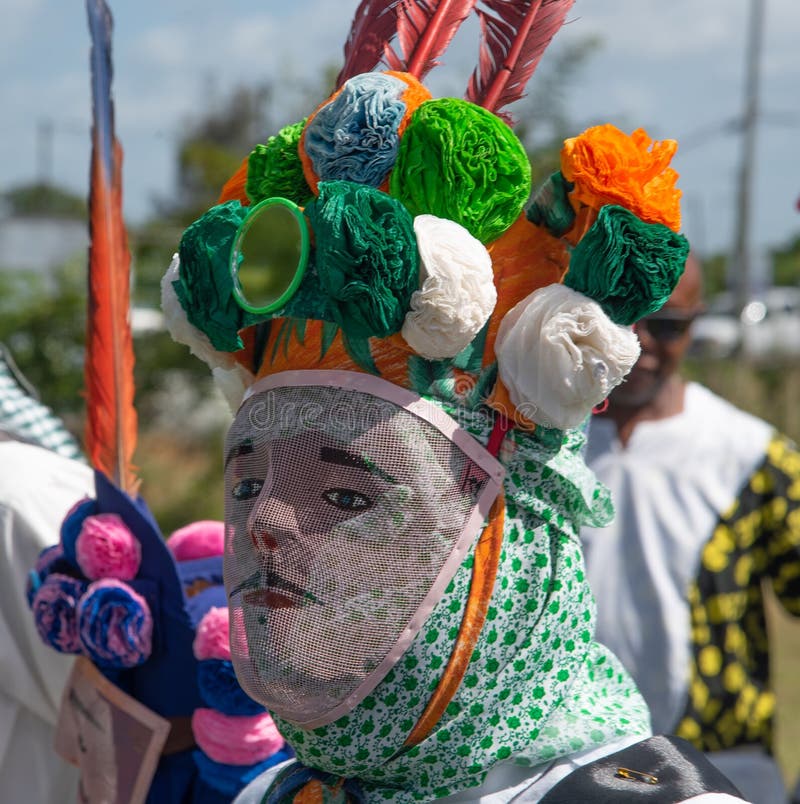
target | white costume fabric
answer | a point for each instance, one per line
(37, 488)
(670, 485)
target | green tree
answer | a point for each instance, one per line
(786, 263)
(42, 321)
(44, 200)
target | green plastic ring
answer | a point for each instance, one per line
(236, 252)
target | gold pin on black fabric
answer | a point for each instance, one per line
(636, 776)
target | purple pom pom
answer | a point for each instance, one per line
(71, 526)
(55, 612)
(115, 625)
(106, 548)
(46, 563)
(47, 557)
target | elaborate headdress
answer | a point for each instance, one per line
(404, 483)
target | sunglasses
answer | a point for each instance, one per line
(665, 326)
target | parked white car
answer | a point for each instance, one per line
(768, 326)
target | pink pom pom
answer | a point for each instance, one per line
(203, 539)
(212, 638)
(107, 549)
(236, 739)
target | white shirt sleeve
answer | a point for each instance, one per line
(37, 488)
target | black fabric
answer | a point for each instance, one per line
(681, 772)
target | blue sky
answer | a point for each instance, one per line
(676, 68)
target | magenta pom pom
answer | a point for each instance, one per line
(55, 607)
(212, 638)
(203, 539)
(107, 549)
(235, 739)
(115, 625)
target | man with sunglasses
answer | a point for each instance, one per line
(707, 503)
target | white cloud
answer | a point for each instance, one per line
(167, 47)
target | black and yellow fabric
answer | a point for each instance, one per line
(707, 515)
(757, 539)
(660, 770)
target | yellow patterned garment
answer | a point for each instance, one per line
(731, 701)
(707, 510)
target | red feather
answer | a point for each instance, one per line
(422, 30)
(426, 29)
(374, 26)
(514, 35)
(111, 417)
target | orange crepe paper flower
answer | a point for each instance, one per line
(608, 166)
(234, 189)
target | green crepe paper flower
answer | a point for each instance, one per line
(459, 161)
(366, 257)
(628, 266)
(205, 287)
(551, 207)
(275, 169)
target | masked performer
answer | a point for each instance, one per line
(403, 479)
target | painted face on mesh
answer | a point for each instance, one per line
(347, 515)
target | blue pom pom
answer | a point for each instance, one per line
(220, 689)
(32, 585)
(54, 607)
(115, 625)
(51, 561)
(354, 137)
(230, 779)
(71, 527)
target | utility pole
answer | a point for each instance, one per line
(740, 268)
(45, 131)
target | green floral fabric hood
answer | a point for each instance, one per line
(537, 687)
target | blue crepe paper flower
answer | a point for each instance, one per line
(354, 136)
(220, 689)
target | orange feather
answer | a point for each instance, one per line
(108, 371)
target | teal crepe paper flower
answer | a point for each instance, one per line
(205, 287)
(551, 207)
(626, 265)
(366, 257)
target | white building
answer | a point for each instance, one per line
(40, 243)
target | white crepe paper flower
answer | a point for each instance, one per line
(182, 330)
(456, 294)
(232, 383)
(559, 355)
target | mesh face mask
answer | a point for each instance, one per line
(350, 503)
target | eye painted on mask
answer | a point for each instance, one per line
(347, 499)
(247, 489)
